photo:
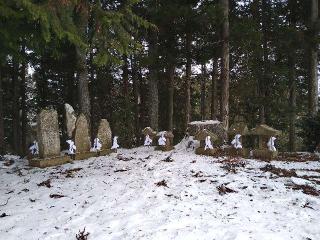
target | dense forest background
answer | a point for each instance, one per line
(160, 63)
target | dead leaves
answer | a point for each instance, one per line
(55, 196)
(224, 190)
(8, 163)
(162, 183)
(82, 235)
(279, 171)
(46, 183)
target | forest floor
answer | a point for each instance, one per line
(145, 194)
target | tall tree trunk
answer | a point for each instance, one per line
(171, 70)
(2, 148)
(136, 95)
(83, 86)
(313, 84)
(126, 95)
(24, 119)
(153, 96)
(16, 109)
(203, 92)
(225, 64)
(214, 93)
(292, 79)
(188, 80)
(264, 80)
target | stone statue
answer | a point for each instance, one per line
(115, 144)
(97, 144)
(147, 140)
(236, 142)
(208, 143)
(72, 147)
(34, 148)
(270, 144)
(162, 140)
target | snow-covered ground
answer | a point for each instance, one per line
(116, 197)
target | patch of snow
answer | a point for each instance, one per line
(118, 199)
(206, 122)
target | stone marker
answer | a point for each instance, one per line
(201, 136)
(70, 119)
(82, 139)
(169, 141)
(214, 126)
(105, 136)
(262, 133)
(48, 140)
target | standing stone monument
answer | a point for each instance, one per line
(48, 140)
(105, 136)
(82, 139)
(70, 119)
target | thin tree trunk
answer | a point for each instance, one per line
(203, 92)
(126, 95)
(83, 86)
(292, 80)
(153, 96)
(23, 108)
(171, 70)
(16, 109)
(214, 93)
(136, 94)
(225, 64)
(313, 84)
(2, 148)
(188, 80)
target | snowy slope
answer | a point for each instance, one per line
(117, 198)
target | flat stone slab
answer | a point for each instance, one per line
(208, 152)
(243, 152)
(104, 152)
(164, 148)
(49, 162)
(264, 154)
(85, 155)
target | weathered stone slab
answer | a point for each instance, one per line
(81, 135)
(85, 155)
(207, 152)
(48, 134)
(49, 162)
(70, 119)
(214, 126)
(104, 134)
(264, 154)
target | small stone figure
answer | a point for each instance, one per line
(208, 143)
(147, 140)
(270, 144)
(34, 148)
(97, 145)
(115, 144)
(162, 140)
(236, 142)
(72, 147)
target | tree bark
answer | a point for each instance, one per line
(2, 148)
(24, 119)
(203, 92)
(225, 64)
(214, 93)
(188, 79)
(16, 109)
(83, 85)
(153, 96)
(292, 79)
(171, 70)
(313, 84)
(136, 95)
